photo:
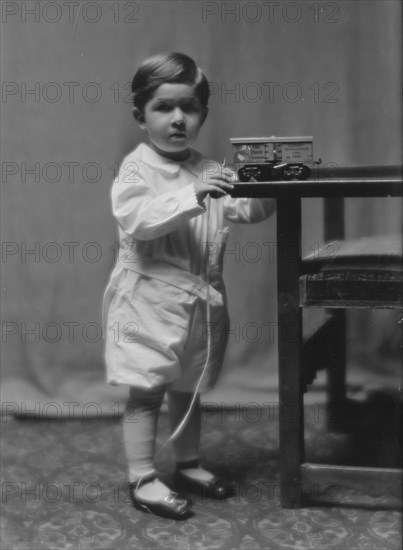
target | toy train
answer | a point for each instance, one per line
(273, 158)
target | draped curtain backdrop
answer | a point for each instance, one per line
(327, 69)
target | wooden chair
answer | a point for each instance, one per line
(365, 273)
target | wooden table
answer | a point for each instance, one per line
(325, 183)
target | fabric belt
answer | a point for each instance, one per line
(174, 276)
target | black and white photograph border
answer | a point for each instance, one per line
(267, 220)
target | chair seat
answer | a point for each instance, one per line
(364, 272)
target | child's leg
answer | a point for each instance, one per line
(140, 424)
(186, 445)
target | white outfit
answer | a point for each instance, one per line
(155, 302)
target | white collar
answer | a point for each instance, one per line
(168, 166)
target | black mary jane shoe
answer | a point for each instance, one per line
(213, 488)
(172, 506)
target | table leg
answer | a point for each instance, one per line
(289, 348)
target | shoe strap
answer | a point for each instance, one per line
(148, 478)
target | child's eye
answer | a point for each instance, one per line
(163, 107)
(190, 108)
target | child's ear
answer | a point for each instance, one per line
(139, 117)
(204, 114)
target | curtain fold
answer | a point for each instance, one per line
(300, 69)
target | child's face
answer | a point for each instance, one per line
(172, 119)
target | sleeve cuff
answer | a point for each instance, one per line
(188, 201)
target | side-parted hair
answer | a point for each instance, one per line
(168, 68)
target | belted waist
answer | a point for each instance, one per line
(173, 275)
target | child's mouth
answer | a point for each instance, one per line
(178, 135)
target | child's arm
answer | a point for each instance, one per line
(244, 210)
(144, 214)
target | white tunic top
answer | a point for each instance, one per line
(170, 263)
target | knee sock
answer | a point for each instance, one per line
(186, 445)
(140, 425)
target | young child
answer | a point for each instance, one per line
(165, 306)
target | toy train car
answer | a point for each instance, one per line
(273, 158)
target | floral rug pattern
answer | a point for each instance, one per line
(64, 487)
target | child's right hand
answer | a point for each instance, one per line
(216, 185)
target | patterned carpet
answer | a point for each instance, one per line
(64, 487)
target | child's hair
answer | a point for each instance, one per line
(168, 68)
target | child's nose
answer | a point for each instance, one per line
(178, 116)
